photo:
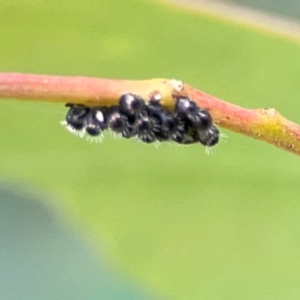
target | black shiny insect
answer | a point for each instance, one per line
(185, 108)
(116, 121)
(131, 104)
(201, 120)
(145, 126)
(131, 129)
(96, 121)
(77, 116)
(165, 123)
(196, 117)
(187, 124)
(120, 123)
(209, 137)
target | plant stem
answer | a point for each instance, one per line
(263, 124)
(79, 90)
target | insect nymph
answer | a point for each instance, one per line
(147, 121)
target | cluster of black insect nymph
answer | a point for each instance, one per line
(132, 117)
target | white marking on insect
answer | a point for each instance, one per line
(99, 116)
(157, 97)
(130, 98)
(186, 104)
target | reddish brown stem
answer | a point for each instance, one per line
(264, 124)
(85, 90)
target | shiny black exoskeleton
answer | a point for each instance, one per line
(76, 116)
(187, 124)
(115, 120)
(130, 104)
(96, 121)
(196, 117)
(209, 137)
(198, 125)
(165, 123)
(145, 128)
(185, 108)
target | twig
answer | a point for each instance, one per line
(263, 124)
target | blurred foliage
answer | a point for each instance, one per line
(287, 8)
(187, 225)
(40, 259)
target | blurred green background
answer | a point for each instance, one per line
(287, 8)
(172, 222)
